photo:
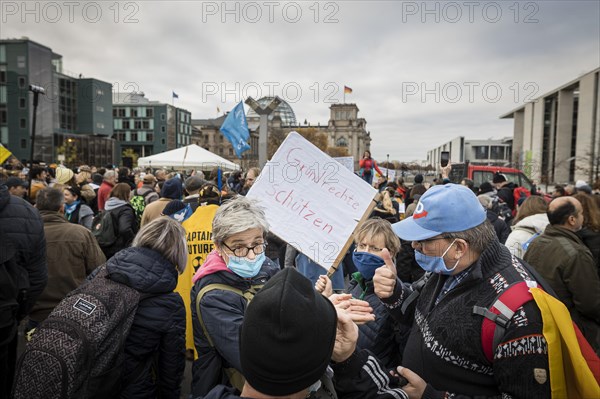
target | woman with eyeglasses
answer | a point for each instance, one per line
(381, 336)
(229, 277)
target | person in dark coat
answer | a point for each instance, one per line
(124, 216)
(505, 190)
(239, 232)
(500, 227)
(378, 335)
(155, 347)
(590, 232)
(21, 231)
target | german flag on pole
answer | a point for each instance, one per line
(347, 90)
(4, 154)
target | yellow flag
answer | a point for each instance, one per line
(570, 375)
(4, 153)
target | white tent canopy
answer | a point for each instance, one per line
(192, 156)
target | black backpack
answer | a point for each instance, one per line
(77, 352)
(14, 285)
(105, 229)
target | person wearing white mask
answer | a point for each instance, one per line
(229, 277)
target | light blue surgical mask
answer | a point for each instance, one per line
(435, 264)
(244, 267)
(366, 263)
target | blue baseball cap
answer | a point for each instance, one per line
(442, 209)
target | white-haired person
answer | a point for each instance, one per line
(156, 342)
(231, 274)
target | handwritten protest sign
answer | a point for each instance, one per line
(348, 162)
(311, 201)
(391, 173)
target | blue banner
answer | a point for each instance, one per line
(235, 129)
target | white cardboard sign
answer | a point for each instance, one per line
(311, 201)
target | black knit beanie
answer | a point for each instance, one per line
(173, 189)
(287, 336)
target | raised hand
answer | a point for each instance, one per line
(384, 279)
(324, 285)
(345, 337)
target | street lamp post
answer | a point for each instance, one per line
(36, 90)
(264, 113)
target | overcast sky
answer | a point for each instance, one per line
(422, 73)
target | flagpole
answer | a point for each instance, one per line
(344, 95)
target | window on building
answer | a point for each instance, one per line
(162, 129)
(23, 123)
(99, 108)
(149, 112)
(162, 116)
(497, 152)
(3, 116)
(21, 61)
(100, 125)
(145, 124)
(134, 112)
(341, 142)
(100, 92)
(137, 124)
(134, 136)
(22, 102)
(150, 137)
(115, 112)
(23, 143)
(481, 152)
(2, 74)
(21, 82)
(231, 151)
(162, 141)
(122, 112)
(126, 124)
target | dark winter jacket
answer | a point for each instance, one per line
(505, 193)
(445, 348)
(591, 239)
(568, 266)
(377, 336)
(125, 218)
(223, 314)
(157, 336)
(22, 224)
(500, 227)
(221, 392)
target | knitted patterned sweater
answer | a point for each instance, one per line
(445, 349)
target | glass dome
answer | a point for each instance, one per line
(283, 110)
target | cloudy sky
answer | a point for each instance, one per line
(422, 73)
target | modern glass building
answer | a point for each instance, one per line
(148, 127)
(74, 115)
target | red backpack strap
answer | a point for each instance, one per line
(497, 317)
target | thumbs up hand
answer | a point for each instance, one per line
(384, 280)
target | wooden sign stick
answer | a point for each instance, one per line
(365, 216)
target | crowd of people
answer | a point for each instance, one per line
(402, 317)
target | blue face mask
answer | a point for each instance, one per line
(435, 264)
(245, 267)
(366, 263)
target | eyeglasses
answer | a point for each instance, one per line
(243, 251)
(421, 242)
